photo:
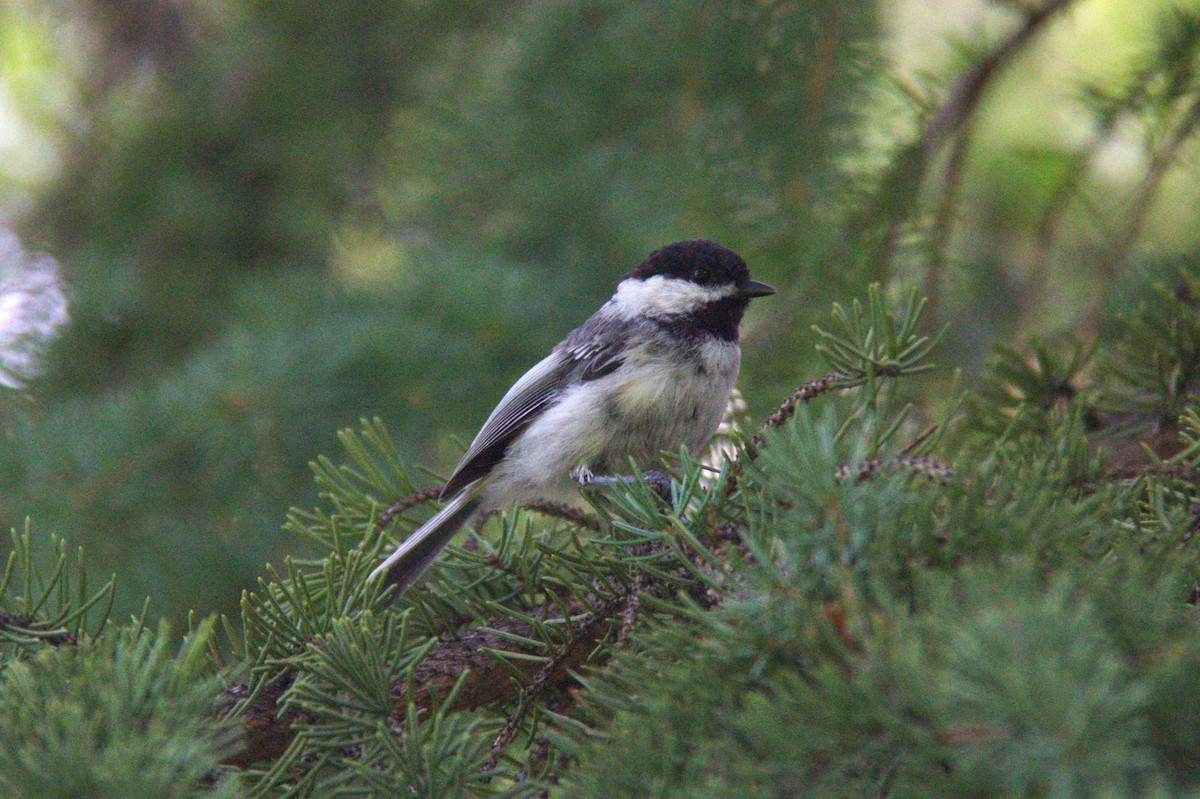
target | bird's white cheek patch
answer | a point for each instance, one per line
(660, 295)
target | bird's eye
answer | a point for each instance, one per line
(699, 274)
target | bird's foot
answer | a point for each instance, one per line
(659, 483)
(582, 475)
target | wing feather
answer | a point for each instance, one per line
(580, 357)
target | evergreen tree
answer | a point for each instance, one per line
(899, 583)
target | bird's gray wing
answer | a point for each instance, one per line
(578, 358)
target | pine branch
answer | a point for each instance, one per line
(265, 732)
(541, 751)
(15, 626)
(567, 513)
(53, 607)
(464, 668)
(401, 505)
(926, 466)
(953, 119)
(807, 391)
(475, 666)
(573, 653)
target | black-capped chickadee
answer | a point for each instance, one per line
(650, 371)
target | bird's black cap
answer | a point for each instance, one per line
(700, 261)
(704, 262)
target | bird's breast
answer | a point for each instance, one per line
(654, 402)
(661, 403)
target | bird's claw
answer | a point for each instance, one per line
(658, 482)
(582, 475)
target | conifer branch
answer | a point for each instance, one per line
(568, 513)
(952, 121)
(266, 732)
(401, 505)
(633, 602)
(489, 679)
(926, 466)
(539, 753)
(54, 606)
(787, 408)
(586, 633)
(1160, 161)
(23, 627)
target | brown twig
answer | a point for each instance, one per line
(32, 627)
(633, 603)
(1161, 159)
(787, 408)
(399, 506)
(568, 513)
(951, 121)
(925, 465)
(552, 673)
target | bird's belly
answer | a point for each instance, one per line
(620, 421)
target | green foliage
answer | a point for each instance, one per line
(1021, 687)
(871, 343)
(318, 215)
(1157, 383)
(832, 615)
(354, 742)
(88, 708)
(1022, 385)
(439, 757)
(553, 136)
(122, 715)
(54, 606)
(1011, 634)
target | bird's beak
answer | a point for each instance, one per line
(756, 288)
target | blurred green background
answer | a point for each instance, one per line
(275, 218)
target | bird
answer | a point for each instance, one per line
(650, 371)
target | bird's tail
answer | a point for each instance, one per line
(419, 550)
